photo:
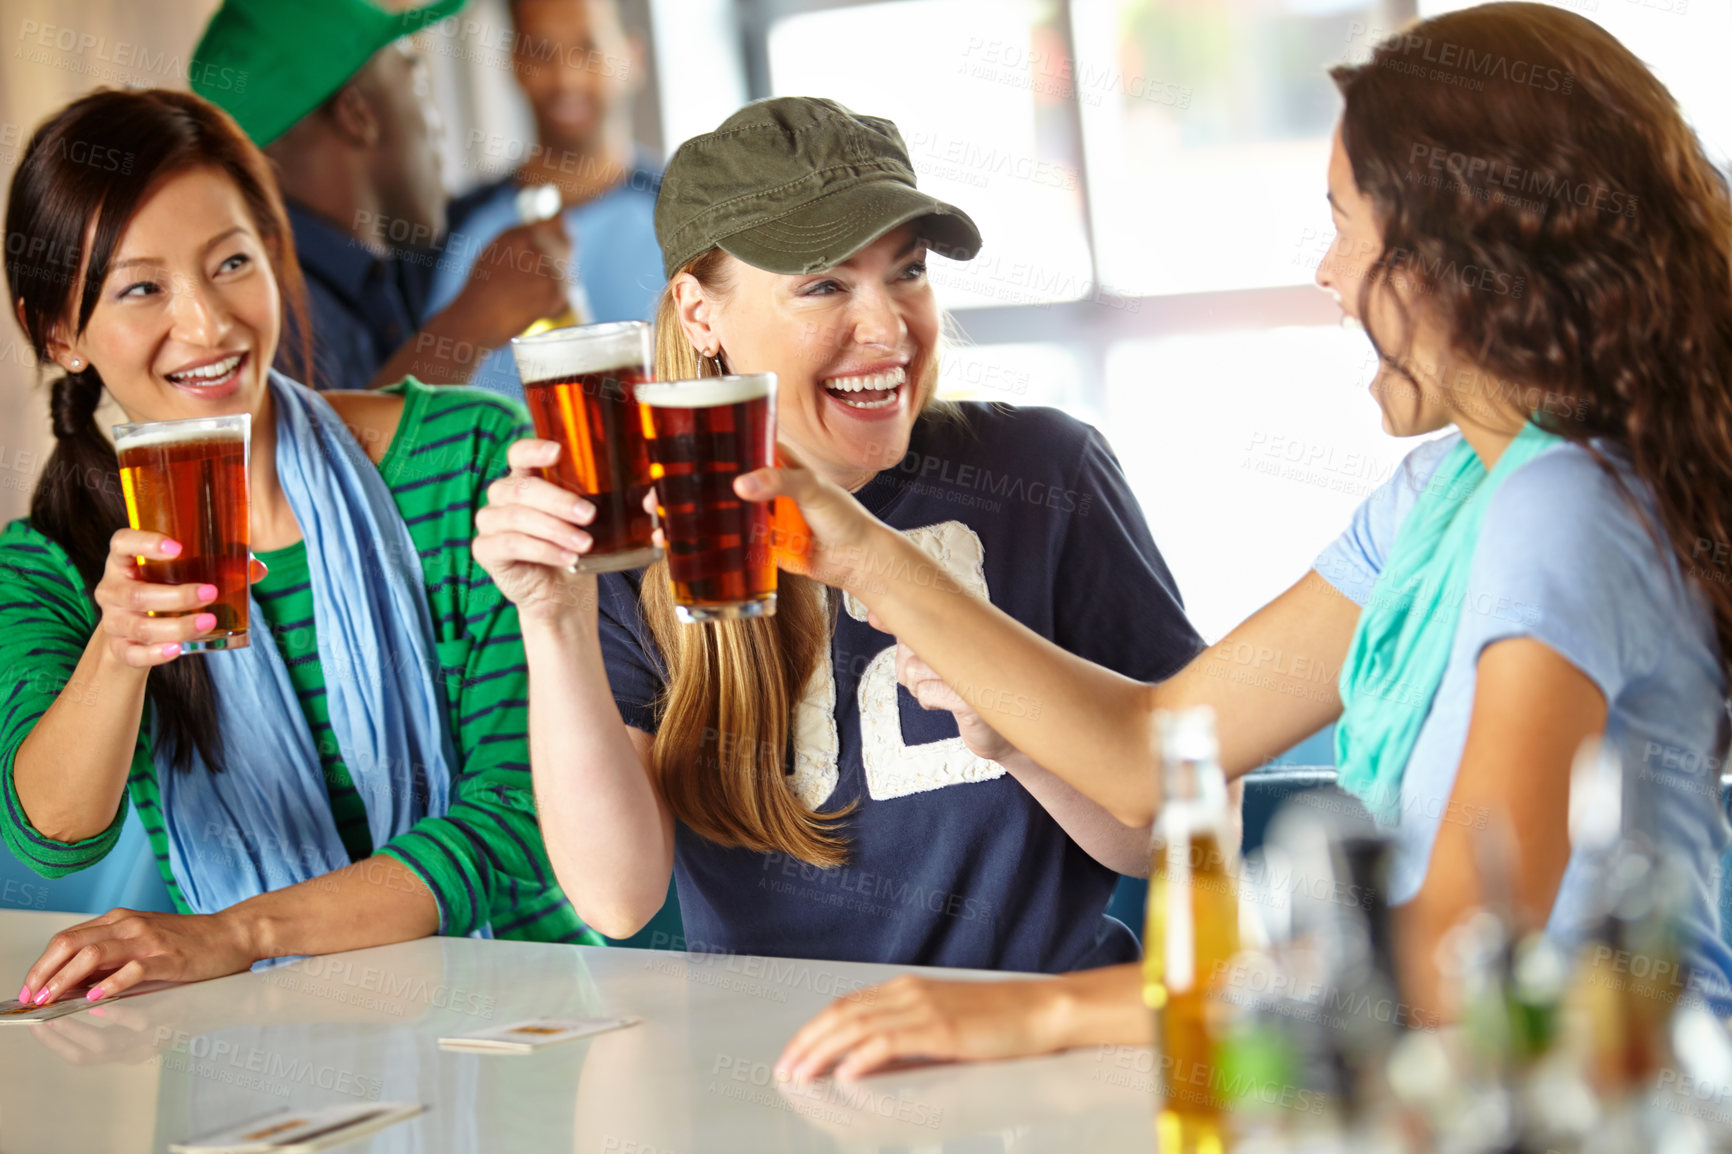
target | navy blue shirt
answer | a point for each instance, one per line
(951, 861)
(364, 306)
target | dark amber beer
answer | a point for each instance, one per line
(581, 384)
(705, 433)
(188, 480)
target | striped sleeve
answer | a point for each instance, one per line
(45, 623)
(483, 859)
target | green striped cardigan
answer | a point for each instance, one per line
(483, 859)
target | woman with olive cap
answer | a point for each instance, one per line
(807, 805)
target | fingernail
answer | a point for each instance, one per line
(94, 994)
(171, 650)
(781, 1072)
(24, 996)
(207, 592)
(578, 541)
(204, 621)
(41, 998)
(747, 485)
(171, 548)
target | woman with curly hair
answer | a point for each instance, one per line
(1541, 254)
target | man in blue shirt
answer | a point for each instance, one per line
(578, 69)
(340, 102)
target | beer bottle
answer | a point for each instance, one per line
(540, 202)
(1192, 932)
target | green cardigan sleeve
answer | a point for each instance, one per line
(483, 858)
(46, 620)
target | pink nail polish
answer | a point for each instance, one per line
(204, 622)
(41, 998)
(171, 650)
(94, 995)
(171, 548)
(24, 996)
(207, 592)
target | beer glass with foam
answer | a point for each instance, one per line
(188, 480)
(581, 384)
(704, 433)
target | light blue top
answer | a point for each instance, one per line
(615, 257)
(1564, 559)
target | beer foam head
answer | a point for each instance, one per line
(562, 353)
(151, 434)
(707, 391)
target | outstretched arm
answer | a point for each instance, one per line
(1092, 726)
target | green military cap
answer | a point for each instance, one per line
(268, 63)
(796, 184)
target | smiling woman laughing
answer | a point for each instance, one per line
(357, 774)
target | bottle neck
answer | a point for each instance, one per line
(1193, 797)
(1193, 788)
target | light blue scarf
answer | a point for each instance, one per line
(265, 822)
(1402, 643)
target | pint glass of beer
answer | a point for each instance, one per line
(704, 433)
(188, 479)
(581, 385)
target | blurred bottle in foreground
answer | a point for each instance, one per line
(1319, 1007)
(1630, 989)
(1571, 1047)
(1192, 932)
(540, 202)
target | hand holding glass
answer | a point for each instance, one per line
(705, 433)
(188, 481)
(581, 385)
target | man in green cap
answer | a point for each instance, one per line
(337, 97)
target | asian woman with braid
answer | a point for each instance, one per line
(358, 774)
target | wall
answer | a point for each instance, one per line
(53, 51)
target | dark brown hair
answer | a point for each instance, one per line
(1543, 197)
(86, 172)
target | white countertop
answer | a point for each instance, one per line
(693, 1076)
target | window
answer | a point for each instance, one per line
(1046, 374)
(1148, 176)
(1249, 452)
(986, 127)
(1207, 132)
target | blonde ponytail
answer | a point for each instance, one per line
(727, 714)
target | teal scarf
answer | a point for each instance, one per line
(1402, 643)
